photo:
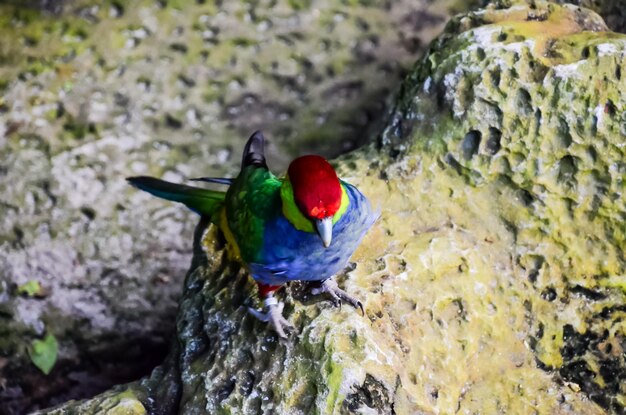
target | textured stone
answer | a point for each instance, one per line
(613, 11)
(542, 89)
(494, 279)
(110, 403)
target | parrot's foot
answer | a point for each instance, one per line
(330, 286)
(273, 315)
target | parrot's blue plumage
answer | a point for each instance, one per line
(289, 254)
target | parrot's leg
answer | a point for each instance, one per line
(274, 313)
(330, 286)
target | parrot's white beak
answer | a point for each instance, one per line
(325, 230)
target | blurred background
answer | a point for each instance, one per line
(94, 91)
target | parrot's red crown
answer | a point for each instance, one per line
(316, 187)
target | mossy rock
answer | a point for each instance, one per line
(613, 11)
(493, 281)
(529, 102)
(121, 401)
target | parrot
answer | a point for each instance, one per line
(303, 226)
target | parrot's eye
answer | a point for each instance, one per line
(318, 212)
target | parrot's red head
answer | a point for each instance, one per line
(316, 187)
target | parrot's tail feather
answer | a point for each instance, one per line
(254, 152)
(202, 201)
(219, 180)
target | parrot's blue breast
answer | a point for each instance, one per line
(289, 254)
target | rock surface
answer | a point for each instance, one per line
(613, 11)
(105, 90)
(494, 280)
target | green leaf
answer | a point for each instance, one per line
(30, 289)
(43, 353)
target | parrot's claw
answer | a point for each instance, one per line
(330, 286)
(274, 316)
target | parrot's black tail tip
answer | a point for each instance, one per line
(132, 181)
(254, 152)
(142, 182)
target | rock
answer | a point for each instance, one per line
(493, 281)
(541, 92)
(122, 402)
(613, 11)
(100, 91)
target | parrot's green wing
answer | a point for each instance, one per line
(203, 201)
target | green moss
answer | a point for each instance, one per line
(299, 4)
(334, 379)
(30, 288)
